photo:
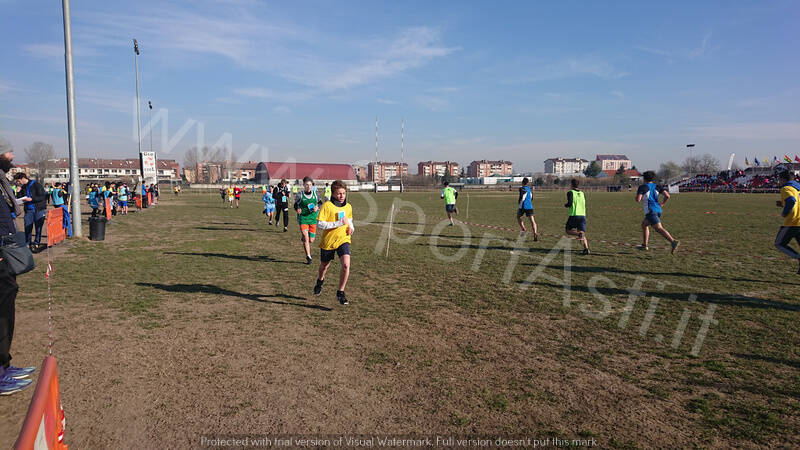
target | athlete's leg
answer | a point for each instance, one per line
(345, 259)
(534, 227)
(305, 239)
(645, 232)
(663, 232)
(323, 267)
(782, 241)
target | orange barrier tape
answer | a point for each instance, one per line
(108, 208)
(55, 226)
(44, 425)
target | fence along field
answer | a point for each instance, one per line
(195, 319)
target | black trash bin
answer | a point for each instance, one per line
(97, 228)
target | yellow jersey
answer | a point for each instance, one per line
(791, 190)
(335, 237)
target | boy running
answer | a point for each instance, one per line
(648, 194)
(327, 192)
(336, 222)
(229, 191)
(790, 202)
(237, 193)
(307, 204)
(449, 195)
(525, 208)
(576, 223)
(281, 196)
(269, 205)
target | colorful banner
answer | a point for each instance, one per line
(55, 226)
(44, 424)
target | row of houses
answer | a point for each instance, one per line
(98, 169)
(609, 165)
(381, 171)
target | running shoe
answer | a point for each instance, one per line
(675, 245)
(342, 298)
(535, 237)
(585, 251)
(10, 385)
(642, 247)
(18, 372)
(285, 229)
(318, 287)
(308, 259)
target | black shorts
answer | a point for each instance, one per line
(525, 212)
(576, 223)
(450, 208)
(327, 255)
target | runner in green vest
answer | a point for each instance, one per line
(449, 195)
(576, 223)
(307, 204)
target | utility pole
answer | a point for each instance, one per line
(74, 179)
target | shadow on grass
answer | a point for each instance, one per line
(239, 257)
(488, 247)
(226, 229)
(595, 269)
(216, 290)
(769, 359)
(706, 297)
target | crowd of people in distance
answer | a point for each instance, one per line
(119, 196)
(735, 181)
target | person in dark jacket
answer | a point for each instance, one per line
(12, 379)
(34, 198)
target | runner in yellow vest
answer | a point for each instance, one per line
(449, 195)
(576, 223)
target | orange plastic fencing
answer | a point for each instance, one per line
(108, 208)
(149, 198)
(55, 226)
(44, 425)
(138, 201)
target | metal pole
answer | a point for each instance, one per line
(73, 149)
(375, 167)
(150, 118)
(402, 150)
(138, 115)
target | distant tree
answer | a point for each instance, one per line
(691, 165)
(556, 181)
(538, 181)
(446, 178)
(621, 176)
(593, 170)
(709, 164)
(669, 170)
(39, 155)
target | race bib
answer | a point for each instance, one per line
(341, 215)
(283, 199)
(311, 207)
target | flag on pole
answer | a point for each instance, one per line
(775, 160)
(797, 158)
(746, 162)
(755, 160)
(787, 159)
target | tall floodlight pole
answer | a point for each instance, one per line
(150, 118)
(375, 167)
(73, 149)
(402, 150)
(138, 115)
(690, 147)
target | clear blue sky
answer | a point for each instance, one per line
(522, 80)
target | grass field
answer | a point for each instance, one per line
(192, 319)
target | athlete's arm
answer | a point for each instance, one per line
(640, 192)
(569, 199)
(521, 194)
(788, 205)
(666, 197)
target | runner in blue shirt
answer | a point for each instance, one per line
(648, 194)
(525, 208)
